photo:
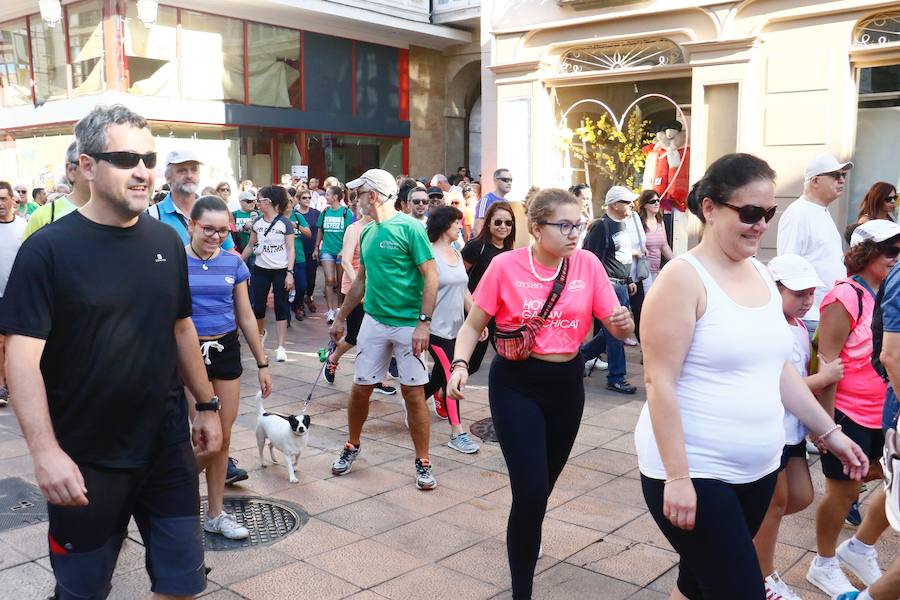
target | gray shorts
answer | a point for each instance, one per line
(376, 343)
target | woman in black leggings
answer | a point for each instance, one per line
(537, 403)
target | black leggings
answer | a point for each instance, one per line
(718, 559)
(312, 267)
(536, 407)
(263, 279)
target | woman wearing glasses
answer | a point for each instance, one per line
(537, 402)
(221, 305)
(717, 369)
(654, 234)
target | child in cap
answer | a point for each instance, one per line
(797, 281)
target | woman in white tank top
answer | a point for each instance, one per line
(718, 377)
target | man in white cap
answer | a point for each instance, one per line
(609, 240)
(395, 255)
(807, 229)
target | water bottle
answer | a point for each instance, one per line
(292, 295)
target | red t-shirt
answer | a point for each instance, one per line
(511, 293)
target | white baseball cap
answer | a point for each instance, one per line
(619, 193)
(177, 157)
(877, 230)
(794, 272)
(824, 163)
(377, 179)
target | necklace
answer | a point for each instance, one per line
(534, 272)
(205, 260)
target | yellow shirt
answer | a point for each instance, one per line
(42, 216)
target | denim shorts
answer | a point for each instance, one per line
(328, 257)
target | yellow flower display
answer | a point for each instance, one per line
(617, 155)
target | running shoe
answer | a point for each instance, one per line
(864, 566)
(329, 316)
(541, 551)
(4, 395)
(226, 526)
(777, 589)
(594, 363)
(343, 463)
(463, 443)
(829, 578)
(328, 370)
(848, 596)
(385, 390)
(424, 479)
(623, 387)
(440, 407)
(392, 368)
(234, 473)
(310, 304)
(298, 313)
(280, 354)
(631, 341)
(853, 516)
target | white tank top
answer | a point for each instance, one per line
(728, 392)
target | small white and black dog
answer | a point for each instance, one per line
(288, 433)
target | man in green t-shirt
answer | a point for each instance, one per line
(53, 211)
(395, 256)
(244, 218)
(333, 222)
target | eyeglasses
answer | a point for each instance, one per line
(891, 252)
(653, 201)
(505, 179)
(21, 191)
(566, 228)
(836, 175)
(454, 203)
(249, 200)
(224, 189)
(419, 201)
(305, 197)
(126, 160)
(211, 231)
(508, 223)
(750, 214)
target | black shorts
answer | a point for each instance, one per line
(870, 440)
(354, 322)
(164, 499)
(792, 451)
(225, 363)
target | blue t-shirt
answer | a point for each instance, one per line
(485, 203)
(890, 302)
(212, 292)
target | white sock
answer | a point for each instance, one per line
(859, 547)
(822, 561)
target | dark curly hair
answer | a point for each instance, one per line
(858, 257)
(725, 176)
(440, 220)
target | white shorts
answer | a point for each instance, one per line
(376, 343)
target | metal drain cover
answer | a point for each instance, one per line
(21, 504)
(484, 429)
(268, 521)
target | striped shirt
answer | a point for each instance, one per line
(212, 292)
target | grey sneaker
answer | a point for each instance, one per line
(225, 525)
(463, 443)
(424, 479)
(345, 460)
(4, 395)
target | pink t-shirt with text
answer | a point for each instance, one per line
(511, 293)
(860, 394)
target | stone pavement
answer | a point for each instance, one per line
(372, 535)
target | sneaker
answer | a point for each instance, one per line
(541, 551)
(392, 368)
(777, 589)
(440, 407)
(631, 341)
(424, 479)
(329, 317)
(225, 525)
(386, 390)
(342, 465)
(829, 578)
(594, 363)
(298, 313)
(234, 473)
(280, 354)
(853, 516)
(463, 443)
(864, 566)
(848, 596)
(4, 395)
(623, 387)
(328, 370)
(310, 304)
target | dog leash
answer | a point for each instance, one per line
(324, 353)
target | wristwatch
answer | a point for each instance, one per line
(423, 318)
(212, 405)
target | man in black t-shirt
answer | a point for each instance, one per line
(97, 314)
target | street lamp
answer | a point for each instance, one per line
(51, 12)
(147, 11)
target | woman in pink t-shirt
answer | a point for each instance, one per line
(845, 330)
(537, 403)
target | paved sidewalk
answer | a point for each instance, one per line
(372, 535)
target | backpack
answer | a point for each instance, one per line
(813, 366)
(877, 335)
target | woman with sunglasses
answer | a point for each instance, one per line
(537, 403)
(272, 240)
(880, 202)
(654, 234)
(857, 400)
(717, 369)
(221, 305)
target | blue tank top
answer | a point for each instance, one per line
(212, 292)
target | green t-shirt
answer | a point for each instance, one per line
(334, 223)
(300, 220)
(391, 253)
(49, 212)
(241, 218)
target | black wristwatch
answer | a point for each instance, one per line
(212, 405)
(423, 318)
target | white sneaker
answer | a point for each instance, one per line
(280, 354)
(329, 317)
(776, 588)
(829, 578)
(631, 341)
(541, 551)
(225, 525)
(864, 566)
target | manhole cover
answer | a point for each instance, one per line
(268, 521)
(484, 429)
(21, 504)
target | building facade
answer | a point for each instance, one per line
(783, 79)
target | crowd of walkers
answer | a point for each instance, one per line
(754, 367)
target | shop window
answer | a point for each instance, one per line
(256, 160)
(288, 152)
(48, 49)
(212, 53)
(880, 80)
(327, 73)
(218, 148)
(377, 81)
(621, 55)
(14, 64)
(273, 65)
(348, 156)
(151, 53)
(85, 22)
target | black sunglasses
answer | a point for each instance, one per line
(891, 252)
(126, 160)
(891, 198)
(419, 201)
(654, 201)
(505, 179)
(836, 175)
(499, 222)
(750, 214)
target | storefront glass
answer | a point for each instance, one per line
(14, 72)
(151, 53)
(48, 49)
(85, 21)
(212, 53)
(256, 155)
(273, 63)
(347, 156)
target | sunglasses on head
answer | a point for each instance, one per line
(750, 214)
(126, 160)
(501, 222)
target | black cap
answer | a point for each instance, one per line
(435, 191)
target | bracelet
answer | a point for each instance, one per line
(679, 478)
(259, 366)
(460, 361)
(836, 427)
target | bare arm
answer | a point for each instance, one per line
(247, 323)
(251, 244)
(289, 244)
(348, 250)
(318, 243)
(666, 251)
(354, 296)
(207, 430)
(834, 329)
(466, 340)
(421, 334)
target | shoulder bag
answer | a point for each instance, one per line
(642, 265)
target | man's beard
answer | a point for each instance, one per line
(185, 188)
